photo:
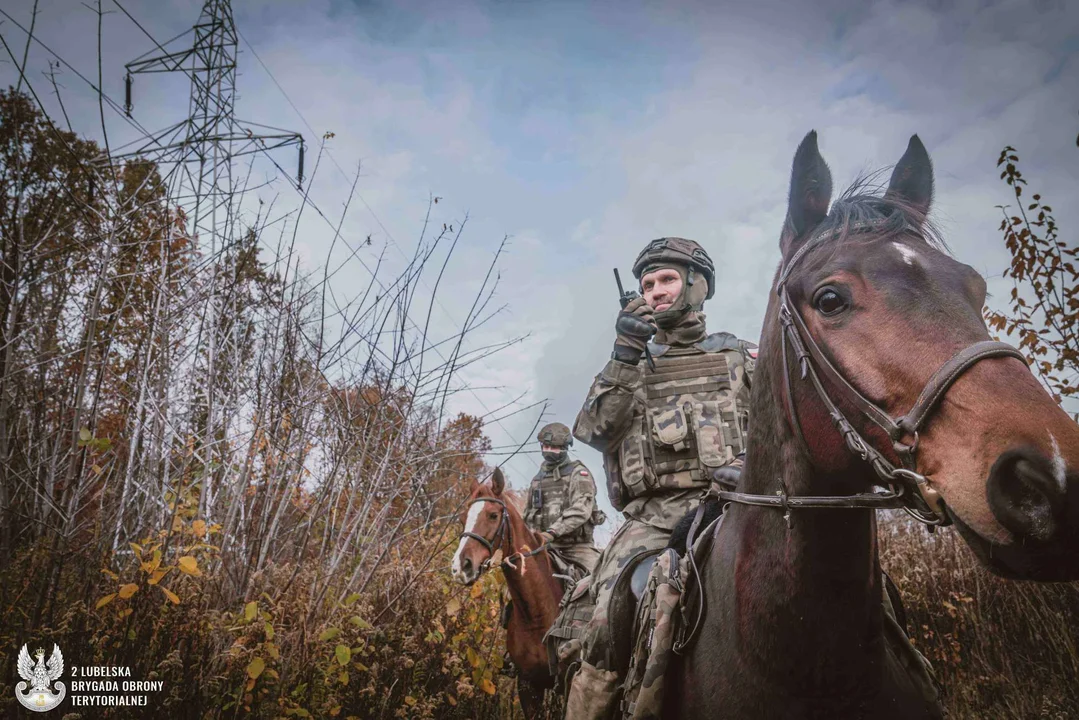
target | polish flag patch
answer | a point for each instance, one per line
(585, 473)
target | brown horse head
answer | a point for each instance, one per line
(888, 306)
(492, 519)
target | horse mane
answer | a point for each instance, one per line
(865, 200)
(515, 500)
(509, 495)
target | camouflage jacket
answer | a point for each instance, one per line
(664, 433)
(562, 502)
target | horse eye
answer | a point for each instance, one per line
(829, 302)
(492, 516)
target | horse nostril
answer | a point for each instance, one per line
(466, 565)
(1025, 495)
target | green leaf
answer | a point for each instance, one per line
(343, 653)
(250, 610)
(360, 622)
(329, 634)
(351, 599)
(269, 631)
(255, 668)
(84, 434)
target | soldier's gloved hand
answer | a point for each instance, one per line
(546, 537)
(634, 326)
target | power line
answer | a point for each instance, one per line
(389, 235)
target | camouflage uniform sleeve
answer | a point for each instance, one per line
(580, 500)
(608, 410)
(749, 355)
(528, 502)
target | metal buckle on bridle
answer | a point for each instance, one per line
(932, 511)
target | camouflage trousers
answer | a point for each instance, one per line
(631, 539)
(582, 555)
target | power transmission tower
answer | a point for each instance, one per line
(211, 137)
(200, 150)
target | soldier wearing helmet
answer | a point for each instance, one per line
(561, 503)
(666, 433)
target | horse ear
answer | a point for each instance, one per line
(912, 179)
(498, 481)
(810, 193)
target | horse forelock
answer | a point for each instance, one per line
(865, 200)
(509, 496)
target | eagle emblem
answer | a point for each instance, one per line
(40, 676)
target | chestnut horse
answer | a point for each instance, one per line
(494, 528)
(876, 386)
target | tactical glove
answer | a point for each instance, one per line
(546, 537)
(634, 326)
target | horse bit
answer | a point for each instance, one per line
(906, 487)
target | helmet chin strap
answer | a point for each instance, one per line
(690, 299)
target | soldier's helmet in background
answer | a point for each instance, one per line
(555, 435)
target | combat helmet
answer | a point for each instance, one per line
(555, 435)
(678, 251)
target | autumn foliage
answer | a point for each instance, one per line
(1044, 301)
(198, 483)
(205, 477)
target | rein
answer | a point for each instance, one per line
(496, 541)
(906, 487)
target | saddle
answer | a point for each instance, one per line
(667, 618)
(625, 599)
(563, 639)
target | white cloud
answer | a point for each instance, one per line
(583, 139)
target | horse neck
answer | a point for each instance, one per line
(536, 591)
(805, 596)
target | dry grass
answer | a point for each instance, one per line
(1003, 649)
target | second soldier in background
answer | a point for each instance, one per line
(561, 504)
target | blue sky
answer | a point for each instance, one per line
(582, 130)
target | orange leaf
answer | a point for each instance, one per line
(190, 565)
(128, 590)
(171, 596)
(105, 601)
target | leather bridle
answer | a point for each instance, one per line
(905, 487)
(496, 541)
